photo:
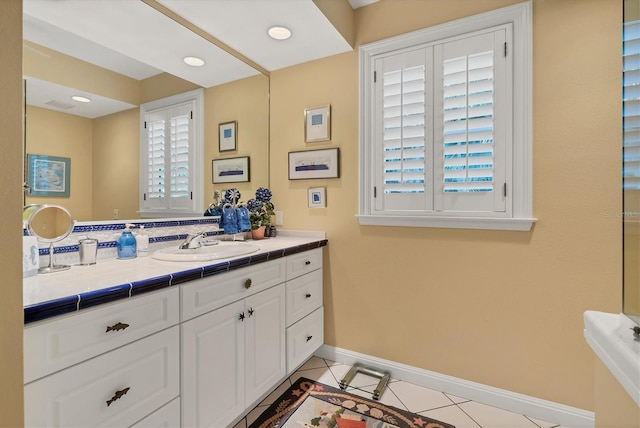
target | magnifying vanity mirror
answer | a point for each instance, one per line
(50, 224)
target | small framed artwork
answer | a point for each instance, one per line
(231, 170)
(323, 163)
(49, 175)
(227, 136)
(317, 198)
(317, 124)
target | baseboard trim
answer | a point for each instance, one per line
(567, 416)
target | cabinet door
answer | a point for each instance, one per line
(265, 341)
(213, 349)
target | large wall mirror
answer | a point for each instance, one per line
(101, 142)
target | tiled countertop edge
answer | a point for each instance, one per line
(52, 308)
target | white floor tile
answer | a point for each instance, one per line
(456, 399)
(417, 398)
(492, 417)
(388, 397)
(320, 375)
(452, 415)
(543, 424)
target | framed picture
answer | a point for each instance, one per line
(231, 170)
(49, 175)
(227, 133)
(317, 124)
(317, 198)
(323, 163)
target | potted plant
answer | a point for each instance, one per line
(260, 211)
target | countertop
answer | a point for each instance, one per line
(81, 287)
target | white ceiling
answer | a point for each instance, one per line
(134, 39)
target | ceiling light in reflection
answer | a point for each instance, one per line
(193, 61)
(80, 99)
(279, 32)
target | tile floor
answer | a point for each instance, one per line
(438, 405)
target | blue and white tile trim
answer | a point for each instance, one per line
(111, 279)
(107, 232)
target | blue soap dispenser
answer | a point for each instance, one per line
(126, 244)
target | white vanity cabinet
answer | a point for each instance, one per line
(305, 313)
(234, 353)
(123, 373)
(199, 354)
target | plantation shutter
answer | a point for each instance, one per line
(631, 106)
(403, 138)
(469, 148)
(168, 178)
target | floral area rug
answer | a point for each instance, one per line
(308, 403)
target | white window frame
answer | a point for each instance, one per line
(519, 163)
(196, 153)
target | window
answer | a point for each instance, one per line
(445, 131)
(171, 155)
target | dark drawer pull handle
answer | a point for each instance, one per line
(117, 327)
(247, 283)
(307, 295)
(118, 395)
(308, 262)
(309, 338)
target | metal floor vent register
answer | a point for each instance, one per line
(368, 371)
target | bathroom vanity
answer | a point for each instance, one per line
(158, 343)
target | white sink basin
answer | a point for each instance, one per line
(222, 250)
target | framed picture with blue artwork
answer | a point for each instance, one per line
(227, 136)
(322, 163)
(48, 175)
(317, 124)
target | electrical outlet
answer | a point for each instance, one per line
(115, 214)
(279, 220)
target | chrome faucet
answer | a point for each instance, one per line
(192, 241)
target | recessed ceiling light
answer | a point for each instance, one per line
(193, 61)
(279, 32)
(80, 99)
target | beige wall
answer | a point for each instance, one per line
(116, 165)
(614, 407)
(245, 101)
(500, 308)
(53, 133)
(11, 120)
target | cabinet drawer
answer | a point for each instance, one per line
(168, 416)
(304, 295)
(54, 345)
(304, 338)
(115, 389)
(204, 295)
(301, 263)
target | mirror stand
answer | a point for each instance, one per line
(49, 223)
(52, 268)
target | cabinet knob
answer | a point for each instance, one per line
(308, 262)
(247, 283)
(309, 338)
(241, 317)
(118, 395)
(250, 311)
(117, 327)
(308, 295)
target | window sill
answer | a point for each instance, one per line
(489, 223)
